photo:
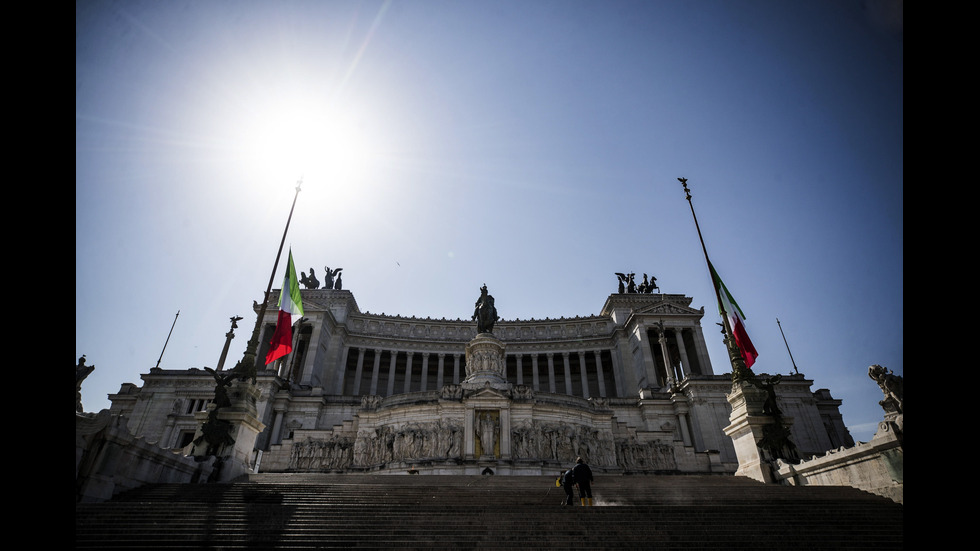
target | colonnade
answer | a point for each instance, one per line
(585, 373)
(675, 353)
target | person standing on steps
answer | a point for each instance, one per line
(567, 481)
(583, 477)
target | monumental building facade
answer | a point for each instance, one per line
(630, 389)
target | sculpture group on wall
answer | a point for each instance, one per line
(484, 361)
(331, 454)
(311, 282)
(562, 442)
(442, 440)
(627, 283)
(451, 392)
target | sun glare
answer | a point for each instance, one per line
(290, 137)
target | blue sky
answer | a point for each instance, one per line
(532, 146)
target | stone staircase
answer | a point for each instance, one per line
(321, 511)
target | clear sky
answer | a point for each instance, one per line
(533, 146)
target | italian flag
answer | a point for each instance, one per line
(290, 311)
(736, 319)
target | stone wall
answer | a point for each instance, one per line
(876, 466)
(110, 460)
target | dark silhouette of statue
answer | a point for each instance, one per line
(893, 387)
(329, 275)
(626, 282)
(485, 312)
(216, 432)
(339, 285)
(647, 287)
(309, 282)
(81, 372)
(622, 282)
(770, 407)
(222, 381)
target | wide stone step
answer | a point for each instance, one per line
(458, 512)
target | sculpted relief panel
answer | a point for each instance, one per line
(442, 440)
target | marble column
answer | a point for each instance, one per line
(685, 367)
(341, 372)
(455, 369)
(442, 359)
(408, 372)
(375, 369)
(620, 374)
(520, 369)
(391, 373)
(534, 371)
(568, 373)
(668, 366)
(359, 371)
(704, 363)
(649, 360)
(599, 375)
(583, 373)
(425, 372)
(551, 372)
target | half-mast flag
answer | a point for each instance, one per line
(290, 311)
(729, 308)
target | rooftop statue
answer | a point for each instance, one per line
(81, 372)
(627, 283)
(647, 287)
(891, 385)
(328, 276)
(622, 282)
(485, 312)
(309, 282)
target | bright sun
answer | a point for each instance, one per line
(293, 137)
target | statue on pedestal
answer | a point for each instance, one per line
(487, 425)
(329, 275)
(222, 380)
(485, 312)
(893, 386)
(81, 372)
(310, 282)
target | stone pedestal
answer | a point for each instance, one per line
(485, 364)
(748, 427)
(243, 428)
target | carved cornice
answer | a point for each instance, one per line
(365, 329)
(320, 299)
(652, 303)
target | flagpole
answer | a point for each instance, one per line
(739, 370)
(246, 367)
(787, 346)
(168, 338)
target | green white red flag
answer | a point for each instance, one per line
(736, 319)
(290, 311)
